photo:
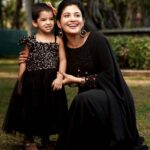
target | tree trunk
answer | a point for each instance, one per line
(1, 16)
(102, 16)
(28, 7)
(16, 17)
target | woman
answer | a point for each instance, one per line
(102, 115)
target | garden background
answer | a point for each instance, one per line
(126, 24)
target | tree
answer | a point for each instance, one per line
(16, 17)
(1, 16)
(102, 16)
(28, 6)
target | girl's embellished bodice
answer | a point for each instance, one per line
(41, 55)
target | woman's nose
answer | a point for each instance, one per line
(72, 18)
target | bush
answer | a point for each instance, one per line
(131, 51)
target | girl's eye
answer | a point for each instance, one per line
(52, 19)
(43, 19)
(66, 15)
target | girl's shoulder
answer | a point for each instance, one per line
(25, 39)
(58, 40)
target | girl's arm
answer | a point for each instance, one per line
(57, 83)
(62, 58)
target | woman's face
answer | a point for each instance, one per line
(71, 21)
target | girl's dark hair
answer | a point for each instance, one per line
(66, 3)
(37, 8)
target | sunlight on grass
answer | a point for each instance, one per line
(8, 61)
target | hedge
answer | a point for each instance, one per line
(132, 52)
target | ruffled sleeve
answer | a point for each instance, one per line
(23, 41)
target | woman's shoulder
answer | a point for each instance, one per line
(98, 34)
(98, 37)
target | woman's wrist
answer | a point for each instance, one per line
(82, 81)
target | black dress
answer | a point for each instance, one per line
(102, 115)
(37, 110)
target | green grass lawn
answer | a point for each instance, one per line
(140, 87)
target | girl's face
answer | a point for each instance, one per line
(71, 21)
(45, 22)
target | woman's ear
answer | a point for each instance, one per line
(34, 24)
(58, 24)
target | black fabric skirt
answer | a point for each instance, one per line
(34, 107)
(89, 126)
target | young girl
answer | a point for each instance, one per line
(38, 105)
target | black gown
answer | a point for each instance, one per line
(37, 110)
(102, 114)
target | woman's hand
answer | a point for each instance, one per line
(22, 57)
(69, 79)
(53, 8)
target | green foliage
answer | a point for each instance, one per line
(7, 10)
(132, 51)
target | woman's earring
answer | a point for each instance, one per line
(60, 33)
(83, 32)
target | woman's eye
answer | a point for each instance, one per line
(77, 15)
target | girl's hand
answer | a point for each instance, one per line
(57, 84)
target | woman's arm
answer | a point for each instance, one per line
(70, 79)
(22, 58)
(102, 64)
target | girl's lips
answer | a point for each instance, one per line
(48, 28)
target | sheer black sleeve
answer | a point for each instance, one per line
(103, 61)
